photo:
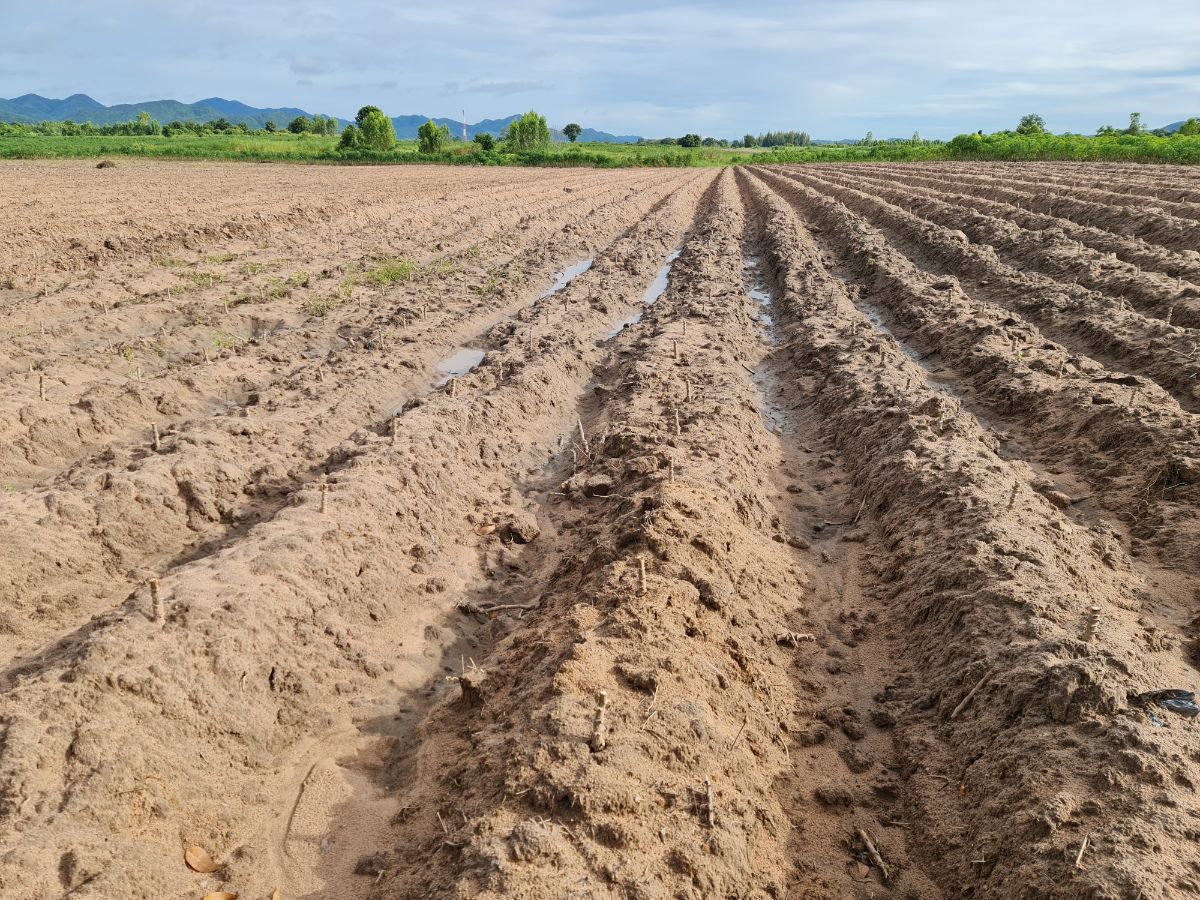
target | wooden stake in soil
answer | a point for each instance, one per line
(1170, 313)
(1093, 621)
(711, 805)
(1082, 848)
(687, 385)
(676, 346)
(678, 429)
(157, 437)
(41, 387)
(1012, 498)
(874, 854)
(156, 602)
(583, 436)
(970, 694)
(599, 738)
(395, 429)
(324, 495)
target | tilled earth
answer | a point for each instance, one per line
(774, 532)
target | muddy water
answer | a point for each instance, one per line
(657, 288)
(457, 364)
(566, 276)
(776, 416)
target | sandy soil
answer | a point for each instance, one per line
(784, 532)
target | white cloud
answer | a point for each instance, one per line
(833, 69)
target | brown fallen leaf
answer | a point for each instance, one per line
(277, 895)
(198, 860)
(482, 530)
(220, 895)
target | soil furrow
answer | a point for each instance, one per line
(1167, 231)
(48, 433)
(1135, 251)
(988, 589)
(127, 515)
(281, 642)
(1074, 316)
(1050, 252)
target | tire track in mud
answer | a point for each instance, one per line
(107, 412)
(1112, 334)
(988, 585)
(1130, 250)
(273, 643)
(129, 516)
(1050, 253)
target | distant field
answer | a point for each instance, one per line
(313, 148)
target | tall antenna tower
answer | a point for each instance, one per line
(464, 126)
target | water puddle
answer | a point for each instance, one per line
(457, 364)
(657, 288)
(565, 277)
(776, 418)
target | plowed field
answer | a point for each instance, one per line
(773, 532)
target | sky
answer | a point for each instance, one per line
(835, 68)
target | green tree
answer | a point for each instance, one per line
(375, 130)
(431, 137)
(486, 142)
(690, 140)
(1135, 124)
(572, 131)
(270, 126)
(869, 139)
(530, 133)
(299, 125)
(350, 138)
(1105, 131)
(749, 141)
(1031, 124)
(1190, 127)
(916, 138)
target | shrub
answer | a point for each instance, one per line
(375, 130)
(572, 131)
(1190, 127)
(1031, 124)
(431, 137)
(690, 140)
(299, 125)
(486, 142)
(350, 138)
(530, 133)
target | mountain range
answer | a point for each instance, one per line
(32, 108)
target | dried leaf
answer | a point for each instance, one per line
(220, 895)
(482, 530)
(198, 860)
(277, 895)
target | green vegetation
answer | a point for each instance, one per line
(1032, 124)
(528, 134)
(432, 138)
(527, 143)
(391, 270)
(572, 131)
(375, 130)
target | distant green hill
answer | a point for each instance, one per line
(32, 108)
(1174, 126)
